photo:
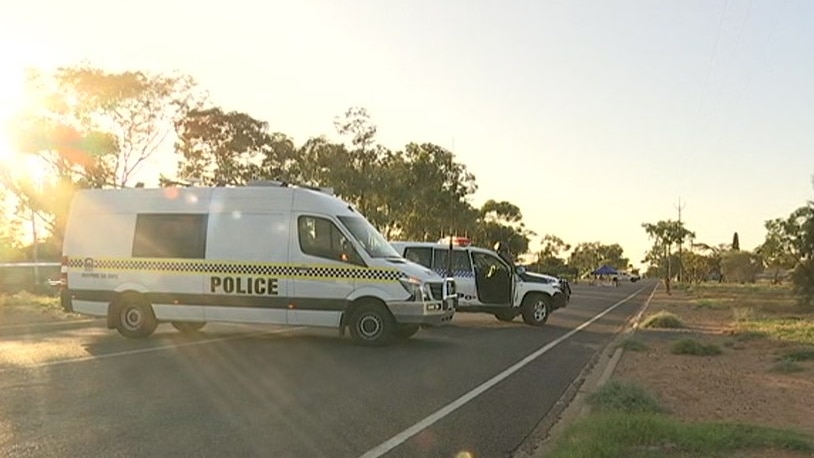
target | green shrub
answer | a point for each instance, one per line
(695, 348)
(632, 344)
(614, 434)
(618, 396)
(745, 336)
(806, 354)
(787, 365)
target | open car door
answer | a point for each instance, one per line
(494, 280)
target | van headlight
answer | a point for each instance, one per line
(416, 288)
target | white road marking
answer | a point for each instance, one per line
(149, 350)
(638, 318)
(439, 414)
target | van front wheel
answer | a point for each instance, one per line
(405, 331)
(135, 318)
(372, 324)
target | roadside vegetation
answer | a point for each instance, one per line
(759, 310)
(695, 348)
(24, 298)
(785, 256)
(662, 320)
(632, 344)
(627, 421)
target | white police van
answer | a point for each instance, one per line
(484, 281)
(263, 253)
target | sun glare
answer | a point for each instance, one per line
(15, 59)
(11, 100)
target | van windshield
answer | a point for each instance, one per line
(371, 240)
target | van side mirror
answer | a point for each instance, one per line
(348, 254)
(520, 269)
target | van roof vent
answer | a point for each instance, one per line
(280, 184)
(329, 191)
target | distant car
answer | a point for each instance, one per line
(633, 278)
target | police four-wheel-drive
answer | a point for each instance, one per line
(561, 300)
(485, 282)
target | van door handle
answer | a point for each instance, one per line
(303, 269)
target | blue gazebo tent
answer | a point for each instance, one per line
(605, 270)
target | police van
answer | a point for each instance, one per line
(484, 281)
(264, 253)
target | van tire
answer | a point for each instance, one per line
(188, 327)
(405, 331)
(371, 324)
(535, 309)
(134, 317)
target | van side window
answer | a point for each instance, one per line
(166, 235)
(320, 237)
(421, 256)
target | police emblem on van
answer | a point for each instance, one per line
(89, 264)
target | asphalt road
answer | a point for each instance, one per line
(476, 388)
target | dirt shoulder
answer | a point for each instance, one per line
(751, 381)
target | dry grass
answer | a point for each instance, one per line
(25, 298)
(663, 320)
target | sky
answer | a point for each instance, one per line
(592, 116)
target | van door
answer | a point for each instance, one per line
(166, 249)
(323, 261)
(247, 267)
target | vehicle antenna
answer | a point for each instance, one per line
(453, 188)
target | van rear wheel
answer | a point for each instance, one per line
(371, 324)
(135, 318)
(188, 326)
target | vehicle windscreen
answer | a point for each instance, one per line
(371, 240)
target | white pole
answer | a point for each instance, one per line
(35, 246)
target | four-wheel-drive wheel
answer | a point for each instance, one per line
(559, 300)
(134, 317)
(405, 331)
(188, 326)
(535, 309)
(372, 324)
(505, 315)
